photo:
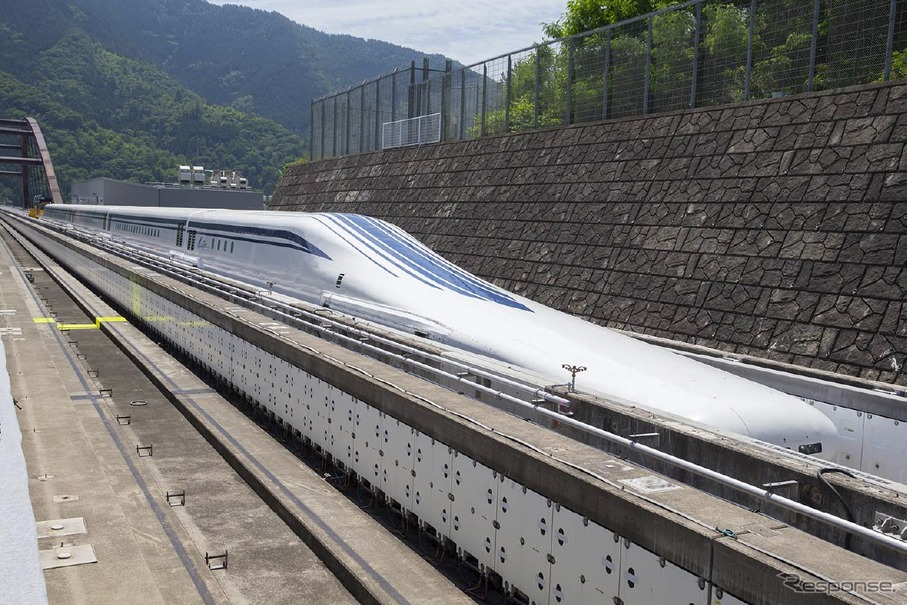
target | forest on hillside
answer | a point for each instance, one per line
(130, 89)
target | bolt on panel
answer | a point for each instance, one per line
(523, 539)
(397, 459)
(885, 448)
(474, 508)
(720, 597)
(647, 578)
(586, 566)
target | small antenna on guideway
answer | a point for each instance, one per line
(574, 370)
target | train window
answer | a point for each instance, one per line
(231, 247)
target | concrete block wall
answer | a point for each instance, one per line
(776, 228)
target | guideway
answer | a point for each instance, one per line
(555, 504)
(165, 515)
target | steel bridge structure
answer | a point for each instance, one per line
(24, 155)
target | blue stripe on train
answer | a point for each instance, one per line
(404, 252)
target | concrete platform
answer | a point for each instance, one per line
(87, 459)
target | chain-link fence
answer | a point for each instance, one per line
(695, 54)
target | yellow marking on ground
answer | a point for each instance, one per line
(97, 322)
(111, 319)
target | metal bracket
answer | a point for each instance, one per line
(216, 561)
(176, 498)
(144, 448)
(105, 392)
(124, 420)
(92, 373)
(776, 486)
(894, 527)
(638, 436)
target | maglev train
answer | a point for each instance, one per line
(376, 272)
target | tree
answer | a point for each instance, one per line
(586, 15)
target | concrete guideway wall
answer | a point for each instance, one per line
(776, 229)
(569, 534)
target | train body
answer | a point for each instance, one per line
(375, 271)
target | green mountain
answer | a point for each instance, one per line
(132, 88)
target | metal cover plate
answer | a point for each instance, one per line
(650, 484)
(60, 527)
(78, 555)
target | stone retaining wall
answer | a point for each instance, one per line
(776, 228)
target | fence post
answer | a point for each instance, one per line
(321, 154)
(507, 106)
(411, 101)
(749, 52)
(477, 116)
(607, 77)
(394, 96)
(379, 144)
(334, 143)
(446, 85)
(462, 125)
(484, 84)
(889, 46)
(424, 104)
(567, 121)
(813, 47)
(645, 87)
(349, 111)
(696, 35)
(538, 77)
(362, 118)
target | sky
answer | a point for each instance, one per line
(465, 30)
